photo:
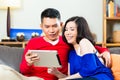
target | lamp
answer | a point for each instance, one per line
(9, 4)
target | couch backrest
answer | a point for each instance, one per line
(115, 50)
(11, 56)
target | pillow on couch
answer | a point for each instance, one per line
(11, 56)
(115, 66)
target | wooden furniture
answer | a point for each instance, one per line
(14, 44)
(23, 44)
(108, 22)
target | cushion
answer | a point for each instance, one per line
(115, 66)
(11, 56)
(8, 73)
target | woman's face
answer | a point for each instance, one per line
(71, 32)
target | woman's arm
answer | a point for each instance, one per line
(62, 76)
(105, 54)
(77, 75)
(56, 72)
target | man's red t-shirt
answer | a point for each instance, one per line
(40, 44)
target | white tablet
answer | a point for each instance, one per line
(48, 58)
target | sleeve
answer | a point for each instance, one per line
(101, 49)
(24, 68)
(90, 65)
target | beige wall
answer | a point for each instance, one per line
(28, 16)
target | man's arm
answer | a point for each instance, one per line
(101, 49)
(24, 67)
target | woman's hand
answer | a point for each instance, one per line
(53, 70)
(56, 72)
(31, 58)
(62, 79)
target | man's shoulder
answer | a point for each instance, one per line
(35, 40)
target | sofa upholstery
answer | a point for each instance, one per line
(115, 58)
(11, 56)
(115, 66)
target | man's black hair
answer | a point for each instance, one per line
(51, 13)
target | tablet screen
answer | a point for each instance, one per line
(48, 58)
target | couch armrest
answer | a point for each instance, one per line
(115, 66)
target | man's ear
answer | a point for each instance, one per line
(41, 26)
(61, 24)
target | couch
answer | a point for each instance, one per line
(115, 57)
(11, 56)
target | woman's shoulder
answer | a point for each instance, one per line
(86, 46)
(84, 40)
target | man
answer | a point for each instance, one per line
(51, 25)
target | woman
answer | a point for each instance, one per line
(83, 60)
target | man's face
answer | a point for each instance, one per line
(51, 28)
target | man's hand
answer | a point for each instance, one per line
(106, 56)
(31, 58)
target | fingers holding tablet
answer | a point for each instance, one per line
(31, 57)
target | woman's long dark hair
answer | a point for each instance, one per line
(83, 30)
